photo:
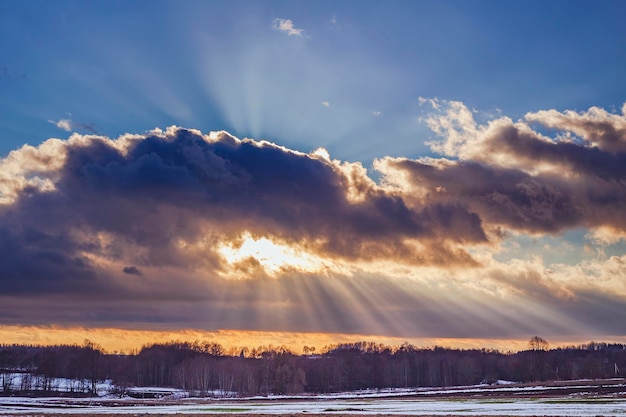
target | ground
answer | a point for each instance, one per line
(575, 398)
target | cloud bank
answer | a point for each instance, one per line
(180, 229)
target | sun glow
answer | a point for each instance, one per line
(273, 256)
(129, 341)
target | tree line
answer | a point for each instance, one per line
(207, 368)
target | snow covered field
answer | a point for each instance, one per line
(413, 406)
(581, 398)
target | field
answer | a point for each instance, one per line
(577, 398)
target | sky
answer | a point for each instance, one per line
(298, 172)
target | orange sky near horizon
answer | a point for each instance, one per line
(130, 340)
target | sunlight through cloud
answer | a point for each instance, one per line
(274, 257)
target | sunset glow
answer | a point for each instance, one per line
(129, 341)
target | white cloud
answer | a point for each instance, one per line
(606, 236)
(376, 113)
(596, 126)
(70, 126)
(326, 103)
(286, 25)
(65, 124)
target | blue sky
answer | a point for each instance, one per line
(132, 66)
(470, 185)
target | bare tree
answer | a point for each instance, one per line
(538, 346)
(538, 343)
(94, 352)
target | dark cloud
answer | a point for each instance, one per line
(159, 207)
(504, 196)
(588, 161)
(234, 186)
(132, 270)
(35, 261)
(135, 205)
(512, 176)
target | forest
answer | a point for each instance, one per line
(207, 369)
